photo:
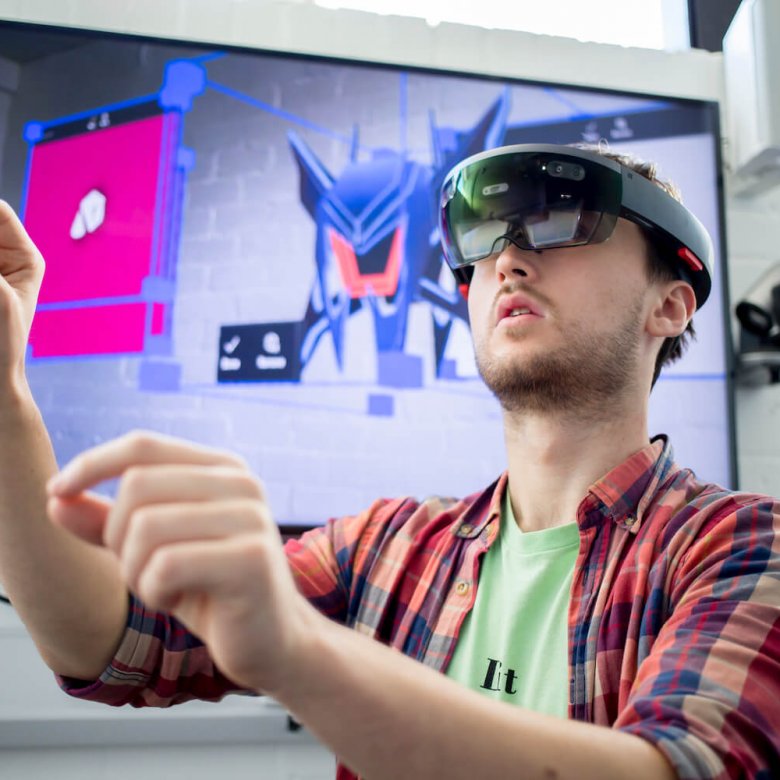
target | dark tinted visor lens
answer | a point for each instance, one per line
(533, 200)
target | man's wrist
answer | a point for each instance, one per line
(313, 639)
(16, 399)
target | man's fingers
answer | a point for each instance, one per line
(13, 236)
(147, 486)
(112, 459)
(163, 525)
(21, 272)
(222, 569)
(21, 264)
(84, 515)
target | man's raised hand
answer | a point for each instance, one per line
(21, 272)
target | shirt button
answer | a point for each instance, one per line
(466, 528)
(462, 587)
(630, 520)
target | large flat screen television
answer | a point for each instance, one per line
(242, 250)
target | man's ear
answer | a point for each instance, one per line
(672, 309)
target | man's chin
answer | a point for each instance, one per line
(517, 354)
(523, 384)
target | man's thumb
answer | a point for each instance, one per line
(83, 515)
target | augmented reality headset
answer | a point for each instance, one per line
(540, 196)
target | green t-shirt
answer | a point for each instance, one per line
(513, 645)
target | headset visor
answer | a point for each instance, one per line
(535, 200)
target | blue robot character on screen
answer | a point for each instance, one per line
(377, 245)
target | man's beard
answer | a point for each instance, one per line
(582, 376)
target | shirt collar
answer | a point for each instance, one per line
(623, 494)
(483, 511)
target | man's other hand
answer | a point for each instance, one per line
(195, 538)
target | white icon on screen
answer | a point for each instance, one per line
(272, 344)
(621, 129)
(271, 363)
(229, 364)
(230, 346)
(591, 134)
(272, 360)
(90, 216)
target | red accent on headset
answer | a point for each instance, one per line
(464, 290)
(690, 258)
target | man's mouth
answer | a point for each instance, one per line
(516, 306)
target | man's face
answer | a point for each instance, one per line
(562, 329)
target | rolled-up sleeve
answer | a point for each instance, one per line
(158, 663)
(708, 693)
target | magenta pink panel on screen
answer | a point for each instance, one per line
(90, 255)
(110, 329)
(158, 318)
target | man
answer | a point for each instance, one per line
(663, 635)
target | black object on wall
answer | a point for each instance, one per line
(708, 21)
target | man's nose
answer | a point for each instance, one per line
(514, 263)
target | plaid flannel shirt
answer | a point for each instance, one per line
(674, 618)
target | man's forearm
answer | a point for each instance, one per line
(67, 592)
(387, 716)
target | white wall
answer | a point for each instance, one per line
(753, 229)
(753, 226)
(299, 26)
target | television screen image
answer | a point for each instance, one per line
(242, 249)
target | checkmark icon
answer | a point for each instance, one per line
(230, 346)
